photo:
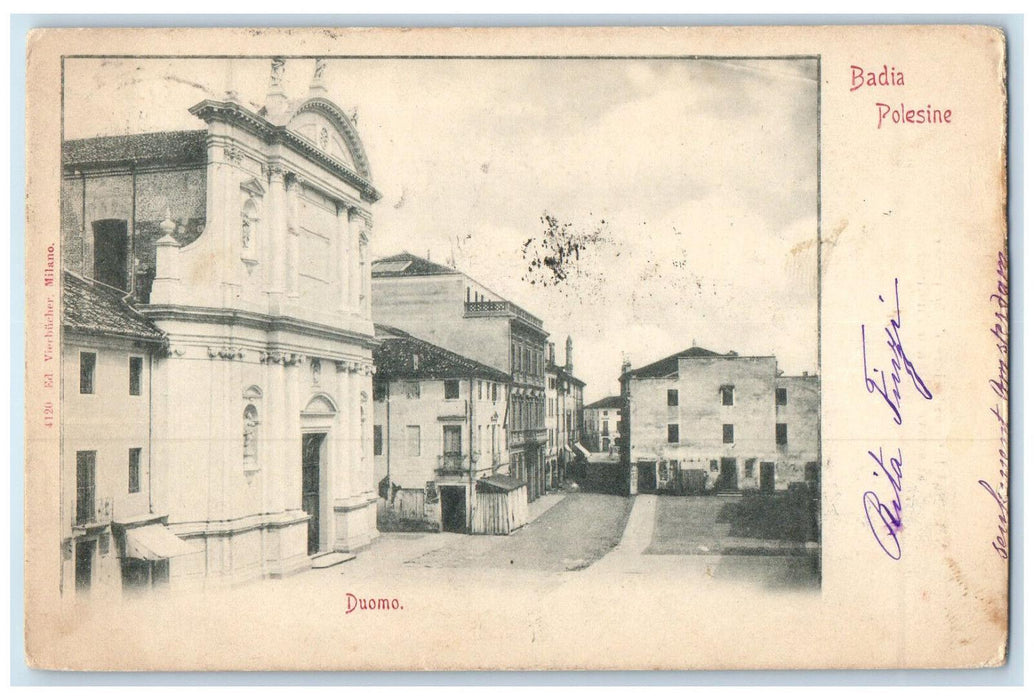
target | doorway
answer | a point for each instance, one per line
(111, 252)
(84, 564)
(727, 477)
(767, 477)
(312, 457)
(454, 509)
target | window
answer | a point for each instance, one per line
(87, 368)
(727, 394)
(111, 252)
(85, 472)
(452, 388)
(136, 369)
(673, 432)
(134, 470)
(495, 393)
(412, 440)
(727, 433)
(480, 390)
(780, 397)
(673, 397)
(780, 433)
(378, 441)
(748, 468)
(380, 391)
(412, 390)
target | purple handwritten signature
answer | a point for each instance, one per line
(885, 520)
(1000, 409)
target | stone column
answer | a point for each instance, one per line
(293, 240)
(274, 426)
(292, 441)
(277, 232)
(355, 224)
(343, 256)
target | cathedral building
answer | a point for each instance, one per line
(245, 244)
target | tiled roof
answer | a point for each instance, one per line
(408, 265)
(91, 307)
(670, 365)
(608, 402)
(165, 147)
(403, 356)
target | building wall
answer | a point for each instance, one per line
(305, 255)
(110, 422)
(593, 428)
(247, 515)
(141, 201)
(399, 409)
(801, 415)
(432, 308)
(700, 416)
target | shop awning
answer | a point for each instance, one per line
(585, 452)
(154, 542)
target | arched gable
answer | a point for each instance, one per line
(320, 405)
(343, 140)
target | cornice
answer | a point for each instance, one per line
(251, 319)
(231, 112)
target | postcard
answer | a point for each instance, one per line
(523, 348)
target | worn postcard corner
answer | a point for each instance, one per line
(556, 348)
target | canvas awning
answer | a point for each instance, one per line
(154, 542)
(584, 452)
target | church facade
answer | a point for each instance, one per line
(246, 244)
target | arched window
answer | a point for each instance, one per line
(251, 426)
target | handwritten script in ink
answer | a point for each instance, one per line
(1000, 408)
(886, 380)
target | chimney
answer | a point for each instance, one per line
(569, 356)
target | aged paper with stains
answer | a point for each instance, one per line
(438, 349)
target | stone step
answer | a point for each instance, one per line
(325, 561)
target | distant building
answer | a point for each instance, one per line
(702, 420)
(454, 311)
(438, 428)
(603, 424)
(563, 415)
(245, 242)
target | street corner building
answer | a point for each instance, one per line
(232, 405)
(439, 438)
(603, 424)
(699, 421)
(450, 309)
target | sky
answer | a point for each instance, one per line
(692, 183)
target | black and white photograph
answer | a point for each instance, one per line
(427, 344)
(304, 314)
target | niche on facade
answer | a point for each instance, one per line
(252, 401)
(251, 217)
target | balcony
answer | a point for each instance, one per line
(485, 309)
(453, 464)
(521, 437)
(91, 513)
